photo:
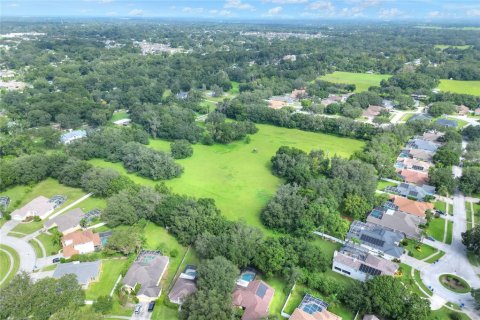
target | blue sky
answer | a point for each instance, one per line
(426, 10)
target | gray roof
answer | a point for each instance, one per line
(418, 192)
(146, 271)
(72, 135)
(447, 122)
(395, 220)
(419, 116)
(85, 271)
(182, 289)
(358, 259)
(377, 237)
(66, 221)
(423, 144)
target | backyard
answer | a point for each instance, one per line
(111, 269)
(239, 180)
(362, 81)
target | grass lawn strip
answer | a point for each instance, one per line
(239, 180)
(9, 264)
(419, 282)
(362, 81)
(454, 283)
(50, 247)
(383, 184)
(423, 252)
(435, 257)
(407, 278)
(449, 237)
(440, 205)
(445, 314)
(436, 229)
(40, 251)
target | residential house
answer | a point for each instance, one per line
(423, 145)
(463, 110)
(419, 154)
(420, 117)
(398, 221)
(71, 136)
(184, 286)
(357, 263)
(412, 191)
(477, 111)
(66, 223)
(419, 96)
(146, 272)
(432, 136)
(85, 272)
(298, 93)
(182, 95)
(312, 308)
(376, 239)
(40, 206)
(372, 111)
(278, 102)
(413, 164)
(334, 98)
(388, 104)
(122, 122)
(413, 176)
(80, 242)
(416, 208)
(447, 123)
(254, 299)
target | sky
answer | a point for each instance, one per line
(389, 10)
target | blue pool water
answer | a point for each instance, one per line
(248, 276)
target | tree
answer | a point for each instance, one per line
(442, 179)
(440, 108)
(72, 171)
(103, 304)
(470, 180)
(476, 296)
(207, 305)
(446, 157)
(356, 207)
(22, 298)
(76, 313)
(471, 239)
(217, 274)
(125, 241)
(181, 149)
(100, 181)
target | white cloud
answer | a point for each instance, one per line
(473, 13)
(322, 5)
(112, 13)
(434, 14)
(136, 12)
(238, 4)
(352, 12)
(390, 13)
(274, 11)
(193, 10)
(366, 3)
(12, 5)
(286, 1)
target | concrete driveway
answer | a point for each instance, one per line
(144, 314)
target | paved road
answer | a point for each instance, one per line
(24, 249)
(10, 267)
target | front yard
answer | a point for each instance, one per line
(111, 270)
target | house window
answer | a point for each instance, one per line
(346, 272)
(337, 268)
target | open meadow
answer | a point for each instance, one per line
(460, 86)
(238, 178)
(362, 81)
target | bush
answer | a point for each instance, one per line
(181, 149)
(103, 304)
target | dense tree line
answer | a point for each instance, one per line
(221, 131)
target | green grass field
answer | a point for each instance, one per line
(383, 184)
(6, 274)
(239, 180)
(446, 46)
(48, 244)
(459, 86)
(436, 257)
(422, 253)
(408, 280)
(436, 228)
(445, 314)
(110, 271)
(36, 248)
(119, 115)
(362, 81)
(235, 88)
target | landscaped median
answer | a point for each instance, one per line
(454, 283)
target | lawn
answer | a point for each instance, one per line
(92, 203)
(444, 314)
(6, 263)
(327, 247)
(235, 88)
(383, 184)
(436, 228)
(36, 248)
(436, 257)
(48, 244)
(408, 280)
(334, 307)
(439, 205)
(407, 116)
(26, 228)
(362, 81)
(239, 180)
(460, 86)
(424, 251)
(449, 232)
(416, 275)
(446, 46)
(16, 195)
(111, 269)
(119, 115)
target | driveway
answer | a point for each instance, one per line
(144, 314)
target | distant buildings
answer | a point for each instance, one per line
(413, 176)
(40, 206)
(122, 122)
(359, 264)
(71, 136)
(85, 272)
(423, 145)
(155, 48)
(184, 286)
(145, 273)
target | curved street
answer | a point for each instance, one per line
(24, 249)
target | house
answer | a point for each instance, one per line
(397, 221)
(413, 176)
(359, 264)
(447, 123)
(376, 239)
(276, 104)
(254, 299)
(122, 122)
(412, 191)
(312, 308)
(463, 110)
(432, 136)
(419, 154)
(146, 272)
(298, 93)
(420, 117)
(370, 317)
(416, 208)
(419, 96)
(372, 111)
(388, 104)
(182, 95)
(40, 206)
(477, 111)
(71, 136)
(67, 222)
(423, 145)
(413, 164)
(184, 286)
(85, 272)
(80, 242)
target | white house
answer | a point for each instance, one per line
(40, 206)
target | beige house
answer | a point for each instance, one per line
(67, 222)
(40, 206)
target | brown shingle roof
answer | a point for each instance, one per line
(77, 238)
(299, 314)
(415, 177)
(416, 208)
(255, 299)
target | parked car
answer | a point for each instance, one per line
(138, 308)
(430, 238)
(151, 305)
(56, 260)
